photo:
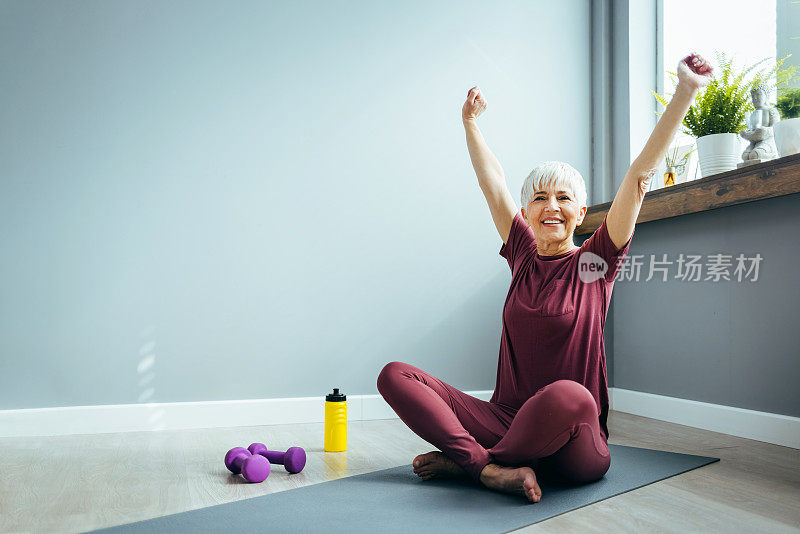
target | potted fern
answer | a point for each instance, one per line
(717, 117)
(787, 130)
(719, 112)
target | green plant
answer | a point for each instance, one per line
(725, 102)
(783, 75)
(789, 103)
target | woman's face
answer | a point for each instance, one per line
(554, 204)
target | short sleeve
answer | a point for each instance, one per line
(600, 243)
(520, 243)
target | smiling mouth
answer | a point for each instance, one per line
(552, 223)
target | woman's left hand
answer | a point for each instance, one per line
(694, 71)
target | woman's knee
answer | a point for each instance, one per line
(390, 371)
(573, 397)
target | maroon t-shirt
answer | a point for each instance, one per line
(554, 316)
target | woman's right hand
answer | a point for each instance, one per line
(474, 106)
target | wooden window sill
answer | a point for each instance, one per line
(772, 178)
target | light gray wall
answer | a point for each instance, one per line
(257, 200)
(728, 342)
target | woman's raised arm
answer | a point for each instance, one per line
(490, 174)
(693, 73)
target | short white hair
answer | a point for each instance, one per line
(557, 174)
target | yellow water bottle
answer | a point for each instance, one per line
(335, 422)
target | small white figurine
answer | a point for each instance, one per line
(759, 130)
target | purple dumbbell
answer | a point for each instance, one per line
(294, 459)
(254, 467)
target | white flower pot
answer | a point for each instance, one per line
(787, 136)
(718, 153)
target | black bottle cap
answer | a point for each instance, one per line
(336, 396)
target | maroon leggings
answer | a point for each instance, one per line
(556, 432)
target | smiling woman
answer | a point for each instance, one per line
(550, 405)
(554, 191)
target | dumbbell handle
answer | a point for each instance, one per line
(274, 457)
(294, 459)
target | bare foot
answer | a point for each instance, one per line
(435, 464)
(520, 481)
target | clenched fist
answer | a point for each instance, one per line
(694, 71)
(474, 106)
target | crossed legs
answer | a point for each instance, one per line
(557, 430)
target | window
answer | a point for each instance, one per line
(742, 29)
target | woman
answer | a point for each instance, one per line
(549, 410)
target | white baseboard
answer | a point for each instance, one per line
(185, 415)
(761, 426)
(771, 428)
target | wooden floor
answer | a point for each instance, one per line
(80, 483)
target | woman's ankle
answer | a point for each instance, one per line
(488, 470)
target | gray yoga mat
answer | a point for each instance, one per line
(396, 500)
